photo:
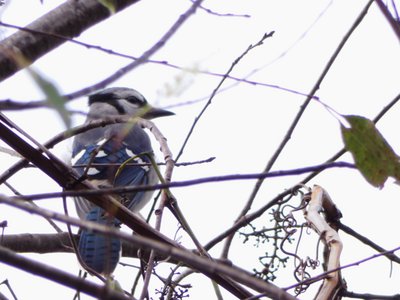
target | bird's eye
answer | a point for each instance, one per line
(136, 101)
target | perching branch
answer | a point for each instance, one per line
(165, 194)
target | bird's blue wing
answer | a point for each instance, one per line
(134, 173)
(103, 161)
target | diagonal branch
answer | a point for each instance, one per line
(69, 19)
(303, 107)
(214, 92)
(295, 121)
(395, 24)
(37, 268)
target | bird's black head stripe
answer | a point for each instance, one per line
(107, 98)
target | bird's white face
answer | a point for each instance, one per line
(130, 95)
(133, 105)
(121, 101)
(130, 99)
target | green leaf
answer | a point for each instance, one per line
(110, 5)
(53, 97)
(373, 155)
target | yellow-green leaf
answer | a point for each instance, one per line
(114, 285)
(53, 97)
(110, 5)
(373, 155)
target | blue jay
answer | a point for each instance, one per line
(98, 155)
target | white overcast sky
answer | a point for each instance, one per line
(244, 124)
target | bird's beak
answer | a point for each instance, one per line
(153, 112)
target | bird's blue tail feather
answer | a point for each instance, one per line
(99, 252)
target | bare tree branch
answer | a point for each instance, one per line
(68, 20)
(37, 243)
(37, 268)
(389, 254)
(366, 296)
(237, 60)
(185, 183)
(144, 57)
(395, 24)
(210, 268)
(59, 243)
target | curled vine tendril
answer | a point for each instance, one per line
(282, 230)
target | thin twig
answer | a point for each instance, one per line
(214, 92)
(143, 58)
(167, 199)
(390, 255)
(211, 12)
(342, 151)
(185, 183)
(395, 24)
(8, 285)
(13, 125)
(50, 221)
(324, 274)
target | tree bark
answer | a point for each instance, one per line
(58, 243)
(66, 21)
